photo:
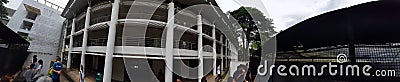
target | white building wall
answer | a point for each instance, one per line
(46, 30)
(45, 33)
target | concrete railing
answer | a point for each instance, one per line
(50, 4)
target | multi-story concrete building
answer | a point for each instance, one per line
(132, 40)
(40, 23)
(10, 12)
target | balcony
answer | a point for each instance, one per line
(80, 27)
(100, 19)
(141, 41)
(143, 16)
(101, 5)
(77, 44)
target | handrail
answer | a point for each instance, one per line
(76, 44)
(139, 15)
(163, 5)
(100, 19)
(100, 4)
(143, 41)
(58, 8)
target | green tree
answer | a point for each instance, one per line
(250, 27)
(3, 9)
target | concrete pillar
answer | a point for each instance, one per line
(111, 41)
(200, 47)
(226, 52)
(63, 42)
(214, 51)
(71, 43)
(169, 44)
(222, 51)
(85, 37)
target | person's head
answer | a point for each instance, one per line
(241, 67)
(31, 66)
(34, 56)
(237, 75)
(58, 59)
(40, 62)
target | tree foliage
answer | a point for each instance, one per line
(244, 16)
(3, 9)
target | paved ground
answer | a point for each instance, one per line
(72, 75)
(211, 78)
(64, 79)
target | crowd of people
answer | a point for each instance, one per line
(33, 73)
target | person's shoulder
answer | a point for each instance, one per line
(237, 71)
(56, 63)
(60, 64)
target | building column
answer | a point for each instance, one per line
(222, 51)
(111, 41)
(214, 51)
(200, 47)
(63, 42)
(85, 37)
(71, 43)
(169, 44)
(227, 52)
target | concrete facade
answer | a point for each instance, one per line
(151, 42)
(46, 29)
(44, 33)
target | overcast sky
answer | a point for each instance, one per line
(13, 4)
(285, 13)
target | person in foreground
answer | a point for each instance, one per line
(57, 67)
